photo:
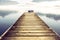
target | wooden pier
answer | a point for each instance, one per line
(30, 27)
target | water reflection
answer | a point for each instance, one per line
(52, 20)
(52, 16)
(4, 13)
(7, 18)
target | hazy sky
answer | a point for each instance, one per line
(43, 0)
(32, 0)
(43, 6)
(3, 1)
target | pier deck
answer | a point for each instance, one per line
(30, 27)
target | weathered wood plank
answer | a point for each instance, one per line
(30, 27)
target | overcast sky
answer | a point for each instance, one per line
(43, 6)
(32, 0)
(43, 0)
(4, 1)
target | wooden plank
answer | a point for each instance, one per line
(30, 27)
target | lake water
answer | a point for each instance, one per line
(7, 19)
(52, 20)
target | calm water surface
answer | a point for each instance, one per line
(7, 19)
(52, 20)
